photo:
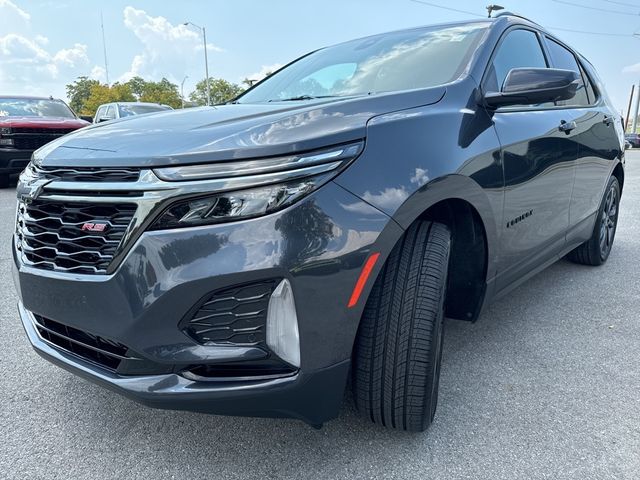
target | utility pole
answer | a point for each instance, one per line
(104, 49)
(634, 124)
(206, 66)
(626, 123)
(182, 89)
(206, 60)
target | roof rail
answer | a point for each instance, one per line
(506, 13)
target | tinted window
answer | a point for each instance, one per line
(591, 92)
(128, 110)
(404, 60)
(563, 58)
(29, 107)
(519, 49)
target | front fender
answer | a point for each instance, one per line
(418, 157)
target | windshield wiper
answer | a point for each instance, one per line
(301, 97)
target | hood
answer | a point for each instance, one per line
(227, 132)
(42, 122)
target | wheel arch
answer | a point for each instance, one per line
(460, 203)
(618, 172)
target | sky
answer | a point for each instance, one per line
(46, 44)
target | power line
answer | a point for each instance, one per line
(607, 34)
(626, 4)
(585, 32)
(448, 8)
(617, 12)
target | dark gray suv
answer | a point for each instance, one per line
(247, 258)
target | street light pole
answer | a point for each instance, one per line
(206, 60)
(182, 89)
(206, 66)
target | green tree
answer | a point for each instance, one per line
(221, 91)
(163, 92)
(137, 86)
(78, 93)
(100, 93)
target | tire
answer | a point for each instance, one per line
(4, 181)
(596, 250)
(398, 350)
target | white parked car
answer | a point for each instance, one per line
(111, 111)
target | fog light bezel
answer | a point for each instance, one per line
(282, 330)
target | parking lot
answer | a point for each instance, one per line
(545, 385)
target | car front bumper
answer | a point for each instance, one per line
(166, 273)
(13, 161)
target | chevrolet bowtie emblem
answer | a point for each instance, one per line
(29, 190)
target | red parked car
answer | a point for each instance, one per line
(26, 124)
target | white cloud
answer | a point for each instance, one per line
(26, 65)
(168, 50)
(12, 16)
(98, 73)
(634, 68)
(266, 69)
(420, 177)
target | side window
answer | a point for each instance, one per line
(519, 49)
(100, 113)
(565, 59)
(591, 91)
(111, 112)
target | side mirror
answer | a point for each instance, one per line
(104, 119)
(531, 86)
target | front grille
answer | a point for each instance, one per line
(55, 131)
(50, 234)
(234, 316)
(88, 174)
(33, 141)
(99, 350)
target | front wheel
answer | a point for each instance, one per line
(398, 350)
(596, 250)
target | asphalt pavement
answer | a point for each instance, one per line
(545, 385)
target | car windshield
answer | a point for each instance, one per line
(405, 60)
(128, 110)
(32, 107)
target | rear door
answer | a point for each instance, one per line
(539, 155)
(597, 134)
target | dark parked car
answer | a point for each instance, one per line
(245, 259)
(26, 124)
(633, 139)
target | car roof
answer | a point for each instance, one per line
(30, 97)
(140, 103)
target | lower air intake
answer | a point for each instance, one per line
(232, 316)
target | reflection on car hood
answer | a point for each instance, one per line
(227, 132)
(42, 122)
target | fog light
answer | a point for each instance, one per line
(282, 324)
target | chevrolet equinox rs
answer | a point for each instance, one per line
(247, 258)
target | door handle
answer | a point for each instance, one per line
(566, 127)
(607, 120)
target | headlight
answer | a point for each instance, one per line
(296, 177)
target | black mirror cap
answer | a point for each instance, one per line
(531, 86)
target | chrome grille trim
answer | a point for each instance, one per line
(57, 242)
(87, 174)
(153, 196)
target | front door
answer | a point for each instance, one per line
(539, 155)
